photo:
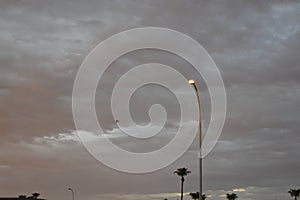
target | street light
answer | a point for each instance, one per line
(192, 82)
(72, 193)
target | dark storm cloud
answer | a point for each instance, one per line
(254, 43)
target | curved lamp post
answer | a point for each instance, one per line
(72, 192)
(193, 83)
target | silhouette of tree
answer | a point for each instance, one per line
(195, 196)
(231, 196)
(182, 172)
(294, 193)
(22, 196)
(35, 195)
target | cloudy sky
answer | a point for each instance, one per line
(255, 44)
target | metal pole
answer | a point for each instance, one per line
(200, 141)
(72, 193)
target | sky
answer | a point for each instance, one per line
(255, 45)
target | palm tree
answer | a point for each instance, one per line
(182, 172)
(35, 195)
(195, 196)
(294, 193)
(232, 196)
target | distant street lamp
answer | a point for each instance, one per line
(72, 192)
(192, 82)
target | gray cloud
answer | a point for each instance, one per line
(254, 43)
